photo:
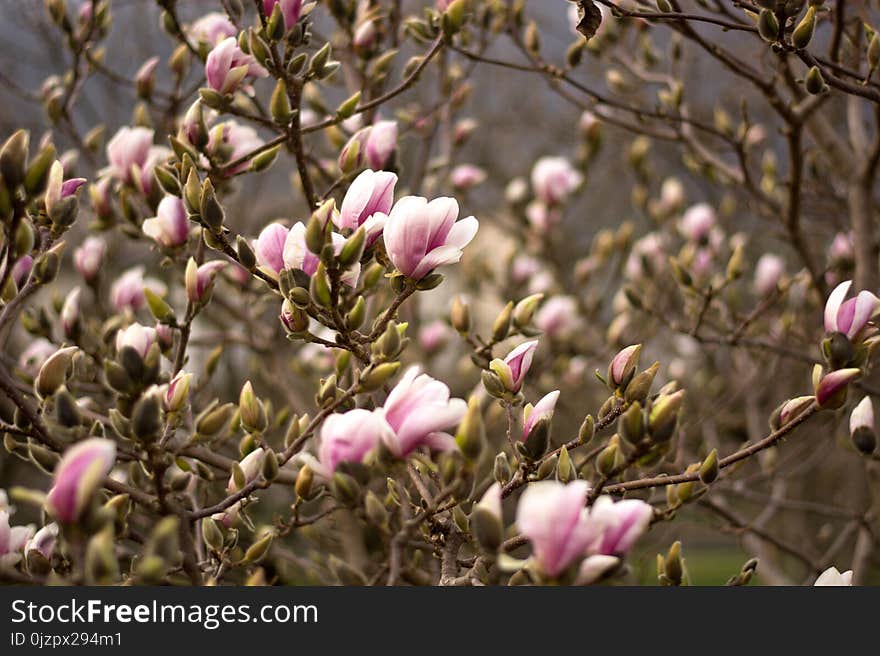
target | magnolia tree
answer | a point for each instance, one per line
(362, 390)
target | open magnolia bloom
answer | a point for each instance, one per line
(850, 316)
(421, 235)
(307, 303)
(832, 576)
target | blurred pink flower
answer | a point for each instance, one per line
(212, 28)
(768, 272)
(554, 519)
(348, 437)
(12, 540)
(78, 475)
(554, 179)
(136, 336)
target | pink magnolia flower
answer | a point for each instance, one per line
(650, 250)
(269, 247)
(381, 143)
(43, 541)
(78, 475)
(296, 255)
(697, 222)
(100, 195)
(251, 465)
(512, 370)
(367, 203)
(594, 567)
(89, 257)
(418, 410)
(290, 10)
(851, 316)
(768, 272)
(170, 226)
(128, 150)
(229, 141)
(212, 28)
(542, 217)
(465, 176)
(12, 540)
(227, 517)
(623, 364)
(133, 157)
(127, 292)
(348, 437)
(831, 389)
(543, 409)
(833, 577)
(841, 248)
(227, 66)
(553, 517)
(136, 336)
(58, 188)
(164, 336)
(434, 336)
(623, 522)
(558, 317)
(554, 179)
(421, 236)
(200, 279)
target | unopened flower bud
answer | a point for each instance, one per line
(212, 535)
(212, 419)
(587, 430)
(376, 376)
(303, 484)
(768, 26)
(501, 327)
(623, 366)
(486, 521)
(251, 409)
(525, 310)
(663, 416)
(501, 471)
(53, 373)
(709, 467)
(640, 386)
(470, 435)
(565, 470)
(609, 459)
(460, 315)
(831, 390)
(803, 33)
(631, 425)
(345, 488)
(861, 426)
